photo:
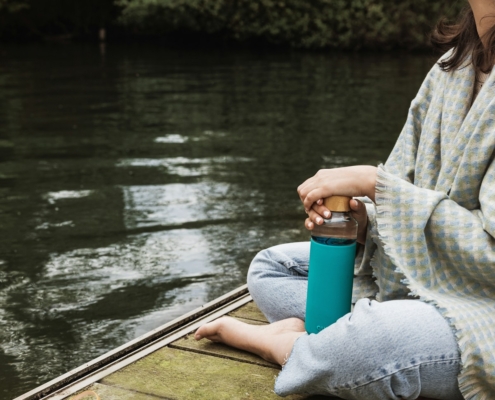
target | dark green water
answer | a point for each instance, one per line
(136, 183)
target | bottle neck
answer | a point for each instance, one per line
(340, 228)
(339, 216)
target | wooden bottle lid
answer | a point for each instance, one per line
(338, 203)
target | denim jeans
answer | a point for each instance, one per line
(399, 349)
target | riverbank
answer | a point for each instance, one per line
(356, 24)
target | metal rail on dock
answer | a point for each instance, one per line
(86, 374)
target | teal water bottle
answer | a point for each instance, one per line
(331, 266)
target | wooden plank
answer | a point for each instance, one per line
(114, 393)
(85, 370)
(185, 375)
(65, 392)
(220, 350)
(249, 311)
(188, 369)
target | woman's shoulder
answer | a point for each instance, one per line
(436, 70)
(431, 89)
(436, 77)
(445, 56)
(439, 71)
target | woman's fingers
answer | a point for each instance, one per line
(308, 185)
(316, 215)
(361, 215)
(313, 196)
(358, 209)
(356, 205)
(321, 210)
(302, 189)
(309, 224)
(359, 180)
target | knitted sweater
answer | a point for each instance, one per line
(431, 230)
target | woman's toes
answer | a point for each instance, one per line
(214, 330)
(272, 342)
(208, 331)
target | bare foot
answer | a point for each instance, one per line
(272, 342)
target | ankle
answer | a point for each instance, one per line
(284, 346)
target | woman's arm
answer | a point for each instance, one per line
(353, 181)
(434, 241)
(358, 180)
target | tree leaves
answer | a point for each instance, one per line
(315, 24)
(343, 24)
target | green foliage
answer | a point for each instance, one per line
(300, 23)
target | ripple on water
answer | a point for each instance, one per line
(48, 225)
(52, 197)
(184, 166)
(172, 138)
(178, 203)
(97, 298)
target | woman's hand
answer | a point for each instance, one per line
(353, 181)
(359, 180)
(358, 211)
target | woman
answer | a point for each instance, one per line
(428, 228)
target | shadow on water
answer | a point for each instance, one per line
(137, 183)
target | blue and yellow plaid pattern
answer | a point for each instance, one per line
(431, 232)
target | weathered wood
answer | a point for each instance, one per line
(179, 374)
(115, 393)
(60, 388)
(249, 311)
(187, 369)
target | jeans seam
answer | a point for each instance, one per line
(293, 264)
(399, 370)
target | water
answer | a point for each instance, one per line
(137, 182)
(333, 241)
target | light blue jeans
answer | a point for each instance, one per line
(399, 349)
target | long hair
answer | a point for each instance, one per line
(463, 37)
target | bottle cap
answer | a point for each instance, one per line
(338, 203)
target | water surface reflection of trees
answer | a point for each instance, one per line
(138, 184)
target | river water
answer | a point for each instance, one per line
(137, 182)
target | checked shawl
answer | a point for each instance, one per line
(431, 232)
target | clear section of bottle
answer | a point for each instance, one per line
(340, 229)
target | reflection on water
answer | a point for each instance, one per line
(52, 197)
(177, 203)
(138, 183)
(184, 166)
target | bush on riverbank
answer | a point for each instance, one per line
(346, 24)
(315, 24)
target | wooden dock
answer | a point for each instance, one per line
(168, 363)
(175, 365)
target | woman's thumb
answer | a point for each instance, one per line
(356, 205)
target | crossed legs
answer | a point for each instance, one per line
(392, 350)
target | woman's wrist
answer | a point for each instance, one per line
(371, 176)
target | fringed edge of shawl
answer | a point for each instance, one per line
(467, 379)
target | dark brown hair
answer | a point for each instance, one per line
(463, 37)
